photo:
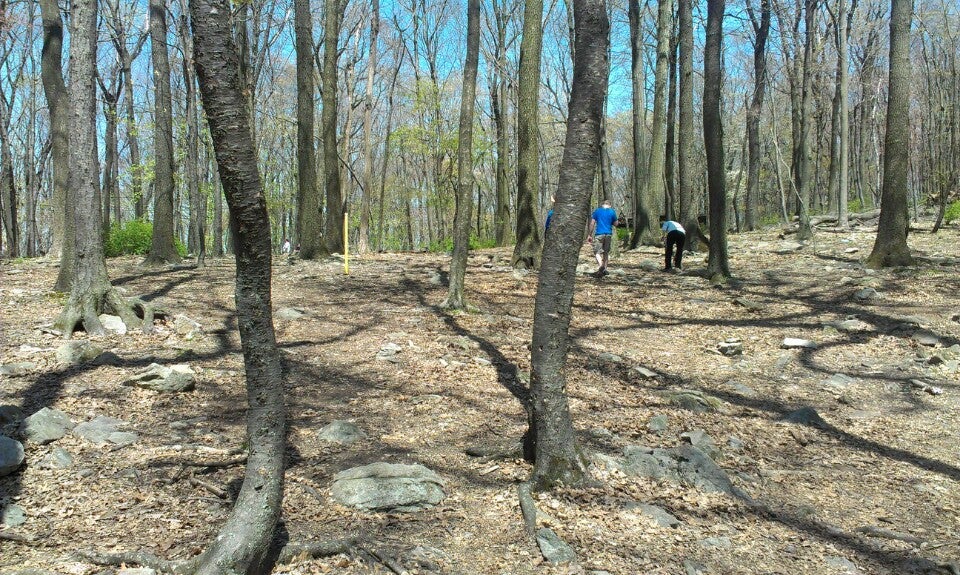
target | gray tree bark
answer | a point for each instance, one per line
(761, 29)
(641, 210)
(363, 243)
(333, 230)
(309, 235)
(713, 140)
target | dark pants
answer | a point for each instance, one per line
(674, 238)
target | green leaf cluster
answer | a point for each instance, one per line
(133, 238)
(952, 213)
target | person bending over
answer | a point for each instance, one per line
(675, 237)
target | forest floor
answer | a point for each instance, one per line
(874, 488)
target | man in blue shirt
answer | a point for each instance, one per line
(675, 235)
(602, 224)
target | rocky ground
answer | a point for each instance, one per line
(799, 420)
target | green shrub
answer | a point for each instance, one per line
(953, 212)
(446, 245)
(133, 238)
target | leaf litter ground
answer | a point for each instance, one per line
(873, 490)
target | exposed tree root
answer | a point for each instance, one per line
(529, 510)
(16, 537)
(83, 311)
(316, 549)
(487, 453)
(188, 462)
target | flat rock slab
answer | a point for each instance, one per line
(343, 432)
(553, 548)
(46, 425)
(288, 314)
(388, 486)
(685, 464)
(13, 516)
(660, 516)
(11, 455)
(798, 343)
(162, 379)
(104, 431)
(78, 351)
(805, 416)
(693, 400)
(57, 459)
(15, 369)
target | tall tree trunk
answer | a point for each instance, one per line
(111, 157)
(386, 153)
(670, 200)
(890, 248)
(466, 183)
(713, 140)
(843, 193)
(687, 213)
(655, 185)
(217, 193)
(333, 230)
(805, 170)
(162, 247)
(196, 232)
(363, 243)
(498, 108)
(309, 235)
(761, 29)
(8, 183)
(244, 539)
(558, 457)
(527, 250)
(641, 209)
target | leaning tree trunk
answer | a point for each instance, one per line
(713, 140)
(162, 247)
(51, 72)
(526, 251)
(558, 457)
(333, 229)
(243, 541)
(461, 221)
(890, 247)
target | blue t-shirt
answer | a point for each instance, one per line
(671, 226)
(549, 217)
(605, 218)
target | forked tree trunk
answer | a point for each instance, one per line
(461, 221)
(527, 250)
(162, 247)
(244, 539)
(558, 457)
(890, 248)
(713, 140)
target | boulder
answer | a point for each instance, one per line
(288, 314)
(925, 337)
(46, 425)
(113, 323)
(646, 373)
(160, 378)
(10, 414)
(57, 459)
(553, 548)
(13, 516)
(702, 441)
(78, 351)
(388, 352)
(805, 416)
(693, 400)
(388, 486)
(658, 514)
(342, 432)
(186, 326)
(866, 294)
(11, 455)
(658, 423)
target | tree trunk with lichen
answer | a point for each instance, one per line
(558, 459)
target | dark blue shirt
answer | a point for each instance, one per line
(605, 218)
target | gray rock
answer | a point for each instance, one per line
(691, 567)
(13, 516)
(607, 357)
(187, 327)
(646, 373)
(608, 462)
(702, 441)
(837, 383)
(693, 400)
(78, 351)
(735, 443)
(122, 437)
(805, 416)
(388, 352)
(11, 455)
(553, 548)
(174, 379)
(113, 324)
(697, 469)
(388, 486)
(10, 414)
(649, 266)
(58, 458)
(717, 542)
(788, 247)
(288, 314)
(658, 423)
(482, 361)
(851, 325)
(742, 389)
(339, 431)
(749, 304)
(98, 430)
(660, 516)
(15, 369)
(137, 571)
(653, 463)
(925, 337)
(842, 563)
(45, 426)
(797, 343)
(866, 294)
(731, 346)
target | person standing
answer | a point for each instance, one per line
(676, 236)
(286, 246)
(602, 223)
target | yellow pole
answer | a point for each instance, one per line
(346, 243)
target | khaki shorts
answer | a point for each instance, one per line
(601, 244)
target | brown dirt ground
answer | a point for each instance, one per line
(886, 460)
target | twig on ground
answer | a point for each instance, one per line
(209, 487)
(387, 561)
(872, 531)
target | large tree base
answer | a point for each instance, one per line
(82, 311)
(890, 258)
(555, 471)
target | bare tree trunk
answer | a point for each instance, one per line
(558, 457)
(498, 109)
(196, 232)
(805, 172)
(333, 230)
(890, 248)
(713, 140)
(761, 29)
(641, 209)
(309, 227)
(461, 221)
(162, 247)
(8, 183)
(527, 250)
(687, 213)
(363, 244)
(655, 185)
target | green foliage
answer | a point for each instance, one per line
(476, 243)
(953, 212)
(133, 238)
